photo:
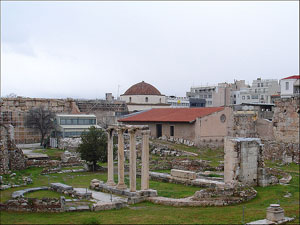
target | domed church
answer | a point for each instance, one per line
(143, 96)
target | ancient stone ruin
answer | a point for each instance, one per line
(11, 157)
(243, 162)
(120, 187)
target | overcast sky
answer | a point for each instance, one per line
(85, 49)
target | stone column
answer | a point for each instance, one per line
(145, 160)
(132, 165)
(110, 158)
(121, 184)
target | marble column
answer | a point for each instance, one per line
(121, 184)
(145, 160)
(110, 158)
(132, 161)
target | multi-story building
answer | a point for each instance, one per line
(290, 86)
(214, 96)
(178, 102)
(73, 125)
(260, 91)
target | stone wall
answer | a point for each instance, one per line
(287, 152)
(12, 158)
(243, 124)
(33, 205)
(242, 160)
(286, 120)
(15, 109)
(4, 161)
(17, 160)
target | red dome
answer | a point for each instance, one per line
(142, 88)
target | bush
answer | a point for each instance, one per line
(94, 146)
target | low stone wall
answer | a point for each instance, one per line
(210, 197)
(68, 190)
(286, 152)
(183, 174)
(51, 163)
(33, 205)
(204, 183)
(178, 140)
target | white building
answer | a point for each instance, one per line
(260, 91)
(178, 102)
(290, 86)
(72, 125)
(143, 96)
(214, 96)
(223, 94)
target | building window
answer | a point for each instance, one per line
(146, 99)
(129, 99)
(160, 100)
(258, 84)
(287, 86)
(223, 118)
(243, 97)
(210, 96)
(262, 84)
(248, 97)
(172, 131)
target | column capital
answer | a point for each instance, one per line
(145, 132)
(120, 130)
(132, 130)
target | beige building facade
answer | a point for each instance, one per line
(201, 128)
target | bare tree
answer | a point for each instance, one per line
(42, 120)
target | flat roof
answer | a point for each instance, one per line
(78, 126)
(75, 115)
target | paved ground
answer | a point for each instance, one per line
(101, 196)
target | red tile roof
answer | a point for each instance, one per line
(142, 88)
(292, 77)
(172, 114)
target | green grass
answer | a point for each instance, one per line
(45, 194)
(53, 153)
(162, 171)
(72, 168)
(150, 213)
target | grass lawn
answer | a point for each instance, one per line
(53, 153)
(150, 213)
(45, 194)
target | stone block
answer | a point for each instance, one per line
(183, 174)
(275, 213)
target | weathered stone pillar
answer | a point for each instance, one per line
(145, 160)
(110, 158)
(132, 161)
(121, 183)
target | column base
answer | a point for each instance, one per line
(121, 186)
(110, 183)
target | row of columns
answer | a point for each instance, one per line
(132, 159)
